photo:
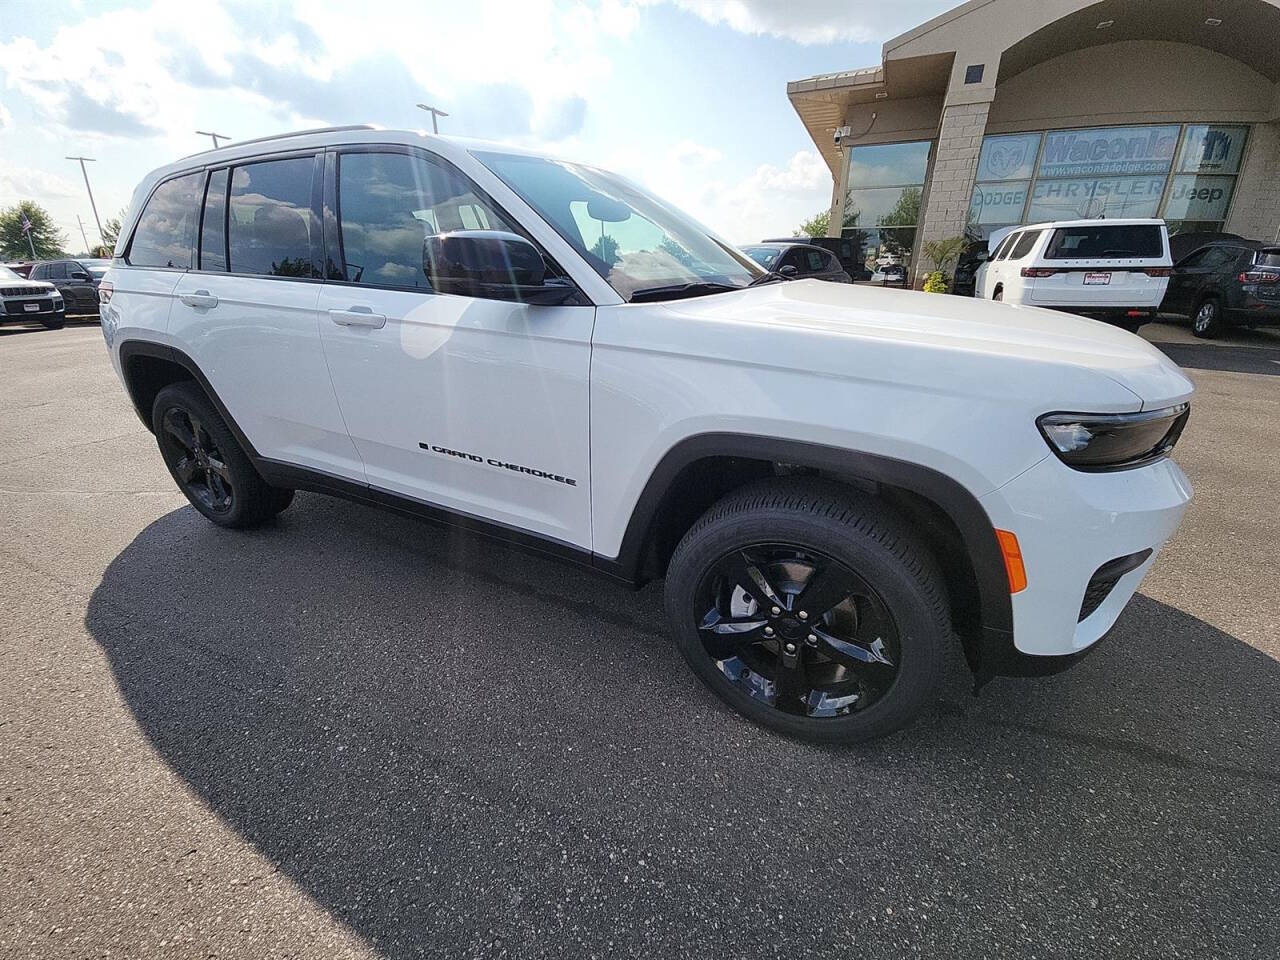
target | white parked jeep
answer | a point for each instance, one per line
(837, 483)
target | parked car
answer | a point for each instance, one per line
(22, 268)
(1182, 245)
(971, 259)
(887, 259)
(1227, 283)
(799, 260)
(834, 481)
(1112, 270)
(891, 275)
(76, 280)
(23, 300)
(847, 252)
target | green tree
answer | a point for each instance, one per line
(48, 240)
(906, 212)
(943, 254)
(112, 227)
(816, 226)
(606, 248)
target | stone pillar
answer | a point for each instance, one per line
(945, 207)
(1255, 211)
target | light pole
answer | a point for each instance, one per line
(213, 136)
(85, 170)
(82, 236)
(434, 113)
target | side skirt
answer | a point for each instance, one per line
(281, 474)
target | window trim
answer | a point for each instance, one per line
(332, 219)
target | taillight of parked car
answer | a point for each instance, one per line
(1038, 272)
(104, 291)
(1260, 276)
(1157, 271)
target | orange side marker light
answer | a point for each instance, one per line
(1012, 560)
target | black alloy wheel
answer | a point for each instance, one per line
(812, 608)
(1207, 322)
(200, 467)
(207, 462)
(796, 629)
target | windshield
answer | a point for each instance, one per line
(637, 243)
(765, 256)
(7, 274)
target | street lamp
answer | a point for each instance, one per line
(434, 113)
(84, 170)
(214, 136)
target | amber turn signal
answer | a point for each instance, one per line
(1012, 560)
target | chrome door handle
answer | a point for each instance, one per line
(201, 298)
(358, 317)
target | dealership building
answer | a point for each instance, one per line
(1001, 112)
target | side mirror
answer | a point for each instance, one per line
(789, 271)
(79, 275)
(492, 264)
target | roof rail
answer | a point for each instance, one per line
(294, 133)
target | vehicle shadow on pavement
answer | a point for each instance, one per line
(460, 750)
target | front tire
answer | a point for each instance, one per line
(1206, 322)
(55, 322)
(811, 609)
(208, 464)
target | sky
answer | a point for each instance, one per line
(687, 97)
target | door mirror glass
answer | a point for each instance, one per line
(481, 263)
(788, 270)
(79, 275)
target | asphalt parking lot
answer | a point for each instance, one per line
(353, 735)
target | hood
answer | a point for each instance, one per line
(43, 285)
(961, 345)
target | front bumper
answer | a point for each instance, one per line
(16, 309)
(1070, 526)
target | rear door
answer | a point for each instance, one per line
(1192, 276)
(247, 315)
(476, 405)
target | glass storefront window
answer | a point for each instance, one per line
(1089, 199)
(1108, 172)
(1212, 148)
(882, 206)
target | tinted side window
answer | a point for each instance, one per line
(389, 203)
(213, 228)
(793, 258)
(166, 230)
(1006, 247)
(270, 228)
(817, 261)
(37, 272)
(1026, 241)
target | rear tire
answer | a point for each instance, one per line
(1206, 320)
(998, 295)
(207, 463)
(859, 667)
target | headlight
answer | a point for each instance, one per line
(1113, 441)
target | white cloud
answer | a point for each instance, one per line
(25, 183)
(6, 118)
(815, 21)
(690, 154)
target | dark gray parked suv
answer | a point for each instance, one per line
(1226, 283)
(76, 280)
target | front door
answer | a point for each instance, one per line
(479, 406)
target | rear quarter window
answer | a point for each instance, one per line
(1268, 258)
(166, 230)
(1104, 242)
(1026, 241)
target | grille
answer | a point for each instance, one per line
(17, 308)
(1105, 579)
(25, 292)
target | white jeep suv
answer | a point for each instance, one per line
(1112, 270)
(837, 483)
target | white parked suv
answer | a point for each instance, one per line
(23, 300)
(838, 484)
(1112, 270)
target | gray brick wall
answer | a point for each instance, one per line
(954, 167)
(1255, 213)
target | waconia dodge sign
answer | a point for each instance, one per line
(1109, 151)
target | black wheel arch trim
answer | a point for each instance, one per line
(131, 349)
(992, 649)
